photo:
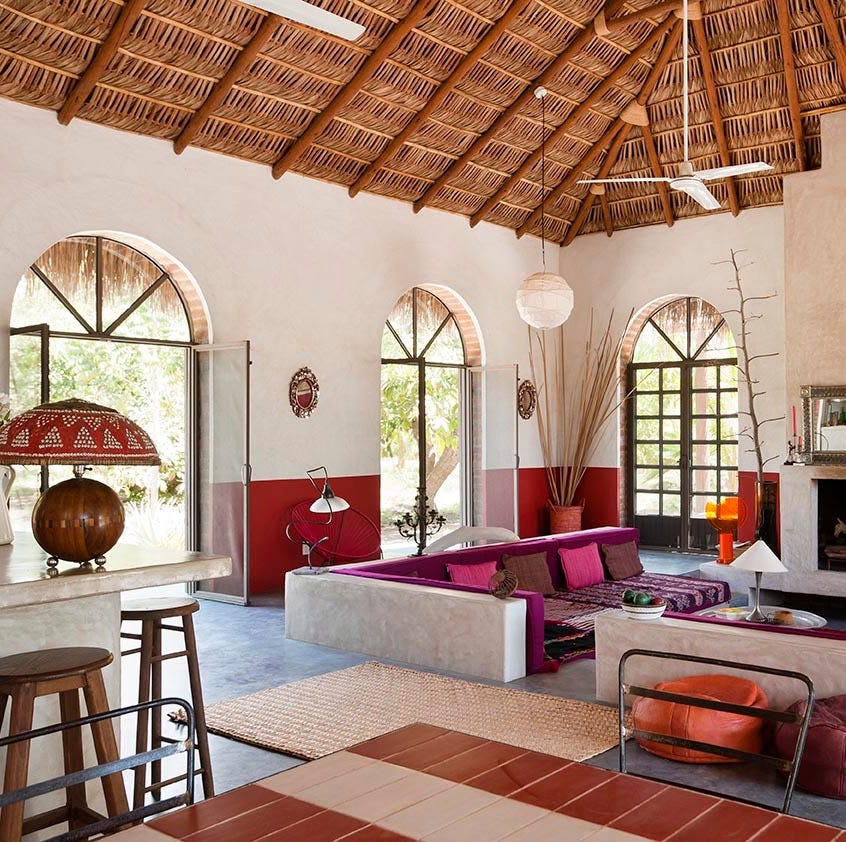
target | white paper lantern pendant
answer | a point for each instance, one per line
(544, 299)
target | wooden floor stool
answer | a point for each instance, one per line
(152, 613)
(63, 671)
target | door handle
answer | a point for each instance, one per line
(246, 474)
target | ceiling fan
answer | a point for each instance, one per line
(313, 16)
(689, 180)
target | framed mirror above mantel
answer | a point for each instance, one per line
(823, 425)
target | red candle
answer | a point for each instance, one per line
(794, 420)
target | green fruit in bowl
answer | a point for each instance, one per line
(642, 599)
(628, 597)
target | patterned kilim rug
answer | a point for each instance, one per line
(330, 712)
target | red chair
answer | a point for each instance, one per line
(348, 536)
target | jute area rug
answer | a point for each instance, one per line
(317, 716)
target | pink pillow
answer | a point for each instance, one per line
(472, 574)
(582, 566)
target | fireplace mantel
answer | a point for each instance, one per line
(799, 532)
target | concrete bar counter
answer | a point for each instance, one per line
(79, 606)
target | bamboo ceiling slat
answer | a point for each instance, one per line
(175, 66)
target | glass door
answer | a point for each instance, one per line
(221, 464)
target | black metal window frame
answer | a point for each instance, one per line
(418, 359)
(686, 364)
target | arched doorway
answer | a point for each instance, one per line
(681, 431)
(97, 318)
(429, 342)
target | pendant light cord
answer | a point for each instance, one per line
(543, 180)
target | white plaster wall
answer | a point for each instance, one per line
(815, 256)
(638, 266)
(297, 267)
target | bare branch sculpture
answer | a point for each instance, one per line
(753, 431)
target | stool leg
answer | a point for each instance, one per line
(143, 722)
(156, 713)
(197, 702)
(74, 762)
(17, 762)
(105, 745)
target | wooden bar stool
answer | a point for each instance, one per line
(65, 671)
(151, 613)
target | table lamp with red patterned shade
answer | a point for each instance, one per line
(79, 519)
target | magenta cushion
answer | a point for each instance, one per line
(582, 566)
(472, 574)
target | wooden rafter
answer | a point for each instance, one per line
(789, 63)
(575, 115)
(582, 39)
(464, 67)
(604, 170)
(832, 32)
(657, 172)
(655, 74)
(714, 107)
(129, 14)
(315, 128)
(218, 93)
(606, 213)
(646, 13)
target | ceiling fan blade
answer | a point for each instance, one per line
(697, 191)
(621, 180)
(737, 169)
(312, 16)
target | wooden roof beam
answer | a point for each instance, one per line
(603, 27)
(606, 210)
(575, 115)
(365, 73)
(832, 32)
(582, 39)
(218, 93)
(447, 86)
(645, 92)
(789, 62)
(604, 170)
(80, 92)
(658, 172)
(714, 107)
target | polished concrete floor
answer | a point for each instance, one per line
(243, 650)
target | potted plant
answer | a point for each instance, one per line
(572, 410)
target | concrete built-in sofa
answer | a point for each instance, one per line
(406, 609)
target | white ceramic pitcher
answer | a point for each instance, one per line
(7, 477)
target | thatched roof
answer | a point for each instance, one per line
(434, 103)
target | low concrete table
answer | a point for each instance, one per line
(822, 659)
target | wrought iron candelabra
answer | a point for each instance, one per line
(421, 522)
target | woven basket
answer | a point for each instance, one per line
(564, 518)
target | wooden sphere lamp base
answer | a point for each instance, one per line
(78, 520)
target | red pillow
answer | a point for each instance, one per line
(472, 574)
(582, 566)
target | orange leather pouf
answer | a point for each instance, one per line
(711, 726)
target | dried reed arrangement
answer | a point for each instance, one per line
(571, 415)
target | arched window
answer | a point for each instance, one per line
(682, 424)
(424, 365)
(98, 319)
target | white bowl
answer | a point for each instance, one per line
(644, 612)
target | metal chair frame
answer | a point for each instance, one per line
(61, 782)
(789, 766)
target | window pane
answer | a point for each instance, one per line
(697, 505)
(651, 347)
(728, 429)
(728, 455)
(672, 479)
(671, 378)
(391, 349)
(160, 317)
(647, 429)
(671, 454)
(647, 479)
(720, 346)
(705, 429)
(704, 454)
(704, 377)
(402, 322)
(431, 313)
(126, 274)
(672, 430)
(704, 481)
(671, 403)
(672, 504)
(728, 376)
(647, 504)
(648, 404)
(70, 266)
(728, 403)
(447, 347)
(35, 304)
(672, 319)
(647, 454)
(703, 403)
(728, 482)
(647, 379)
(442, 443)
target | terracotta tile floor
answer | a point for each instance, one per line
(380, 791)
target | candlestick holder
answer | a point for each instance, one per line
(420, 523)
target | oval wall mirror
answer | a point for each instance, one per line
(527, 399)
(303, 392)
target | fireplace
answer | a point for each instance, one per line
(831, 524)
